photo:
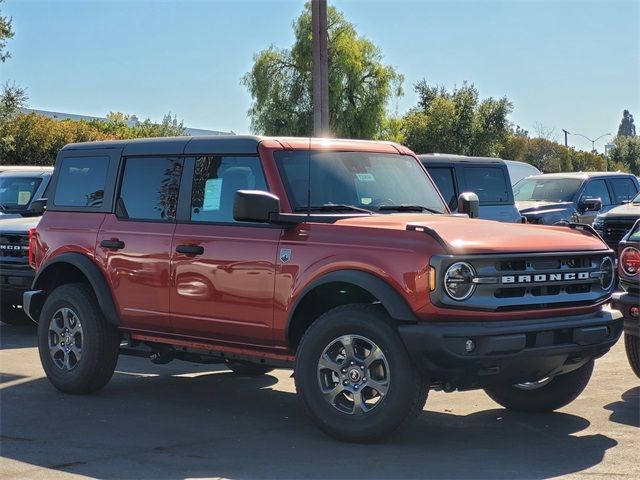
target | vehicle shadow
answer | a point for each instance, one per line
(626, 411)
(164, 422)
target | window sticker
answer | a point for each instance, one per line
(24, 197)
(212, 194)
(365, 177)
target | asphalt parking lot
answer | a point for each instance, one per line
(183, 421)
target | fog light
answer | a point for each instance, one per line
(634, 311)
(469, 346)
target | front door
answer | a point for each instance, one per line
(223, 271)
(594, 189)
(135, 243)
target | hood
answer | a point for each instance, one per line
(17, 224)
(534, 206)
(464, 235)
(626, 210)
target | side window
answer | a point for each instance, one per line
(489, 183)
(624, 189)
(150, 188)
(216, 179)
(443, 178)
(81, 182)
(597, 189)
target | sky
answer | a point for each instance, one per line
(569, 64)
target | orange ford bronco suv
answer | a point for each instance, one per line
(336, 258)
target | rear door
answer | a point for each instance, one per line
(135, 243)
(492, 185)
(624, 190)
(223, 271)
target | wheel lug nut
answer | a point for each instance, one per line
(351, 363)
(345, 383)
(364, 380)
(355, 387)
(344, 370)
(361, 367)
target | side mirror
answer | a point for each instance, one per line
(590, 205)
(255, 206)
(38, 206)
(469, 204)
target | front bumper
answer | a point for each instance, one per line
(623, 301)
(508, 352)
(14, 281)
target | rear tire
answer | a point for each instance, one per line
(13, 315)
(78, 347)
(355, 377)
(547, 396)
(248, 369)
(632, 346)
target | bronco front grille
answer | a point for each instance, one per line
(14, 246)
(527, 281)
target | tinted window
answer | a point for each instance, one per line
(546, 189)
(361, 179)
(215, 182)
(17, 192)
(489, 183)
(597, 189)
(443, 178)
(81, 181)
(150, 188)
(624, 189)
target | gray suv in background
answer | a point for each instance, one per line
(560, 198)
(486, 177)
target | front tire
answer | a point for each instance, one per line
(78, 347)
(13, 315)
(355, 377)
(544, 396)
(632, 346)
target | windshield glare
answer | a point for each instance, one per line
(361, 179)
(17, 192)
(546, 189)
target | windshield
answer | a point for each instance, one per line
(358, 179)
(17, 192)
(546, 189)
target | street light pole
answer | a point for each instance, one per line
(593, 144)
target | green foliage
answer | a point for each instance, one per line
(12, 99)
(626, 154)
(626, 128)
(6, 33)
(360, 85)
(457, 121)
(31, 139)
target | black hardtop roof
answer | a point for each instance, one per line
(582, 175)
(239, 144)
(451, 158)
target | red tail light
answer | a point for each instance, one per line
(630, 261)
(32, 232)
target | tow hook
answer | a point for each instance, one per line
(162, 355)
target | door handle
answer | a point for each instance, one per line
(190, 249)
(113, 244)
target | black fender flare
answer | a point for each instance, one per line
(94, 276)
(385, 293)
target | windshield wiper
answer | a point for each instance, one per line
(333, 207)
(408, 208)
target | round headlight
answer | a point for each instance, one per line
(630, 261)
(607, 274)
(458, 281)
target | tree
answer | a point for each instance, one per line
(626, 154)
(12, 99)
(626, 128)
(360, 85)
(457, 121)
(6, 33)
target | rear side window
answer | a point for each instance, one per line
(443, 178)
(81, 182)
(216, 180)
(489, 183)
(150, 189)
(597, 189)
(624, 189)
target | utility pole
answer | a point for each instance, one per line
(566, 142)
(320, 68)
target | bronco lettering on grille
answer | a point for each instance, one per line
(545, 277)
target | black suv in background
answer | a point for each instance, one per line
(486, 177)
(21, 189)
(614, 224)
(560, 198)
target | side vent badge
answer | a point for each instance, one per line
(285, 255)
